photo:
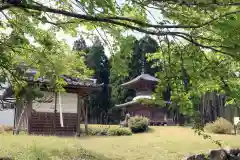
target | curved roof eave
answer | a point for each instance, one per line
(127, 103)
(146, 77)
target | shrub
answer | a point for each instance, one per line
(98, 131)
(1, 129)
(119, 132)
(8, 128)
(220, 126)
(138, 124)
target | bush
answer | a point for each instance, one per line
(1, 129)
(98, 131)
(138, 124)
(119, 132)
(220, 126)
(5, 128)
(8, 128)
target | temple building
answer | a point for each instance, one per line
(144, 86)
(54, 113)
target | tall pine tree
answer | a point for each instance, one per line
(99, 102)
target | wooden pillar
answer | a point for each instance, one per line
(14, 121)
(29, 114)
(78, 129)
(86, 116)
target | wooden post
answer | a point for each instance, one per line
(14, 120)
(86, 116)
(29, 114)
(78, 115)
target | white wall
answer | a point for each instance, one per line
(7, 117)
(68, 102)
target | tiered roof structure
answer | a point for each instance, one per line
(144, 85)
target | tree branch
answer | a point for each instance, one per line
(221, 78)
(190, 39)
(202, 4)
(120, 22)
(116, 19)
(5, 6)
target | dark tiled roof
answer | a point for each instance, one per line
(145, 77)
(71, 81)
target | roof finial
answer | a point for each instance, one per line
(143, 64)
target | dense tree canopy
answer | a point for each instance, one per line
(198, 39)
(196, 18)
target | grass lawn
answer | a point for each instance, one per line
(163, 143)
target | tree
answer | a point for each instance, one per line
(98, 62)
(191, 16)
(80, 45)
(201, 23)
(47, 55)
(27, 47)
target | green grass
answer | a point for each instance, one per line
(168, 143)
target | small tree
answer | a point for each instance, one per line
(138, 124)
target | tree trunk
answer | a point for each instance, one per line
(19, 111)
(20, 120)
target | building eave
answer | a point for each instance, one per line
(127, 104)
(142, 77)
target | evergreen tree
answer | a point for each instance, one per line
(80, 44)
(98, 62)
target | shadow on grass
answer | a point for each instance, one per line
(150, 130)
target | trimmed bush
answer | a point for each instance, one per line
(119, 132)
(138, 124)
(98, 131)
(103, 130)
(220, 126)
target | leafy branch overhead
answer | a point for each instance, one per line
(193, 21)
(198, 40)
